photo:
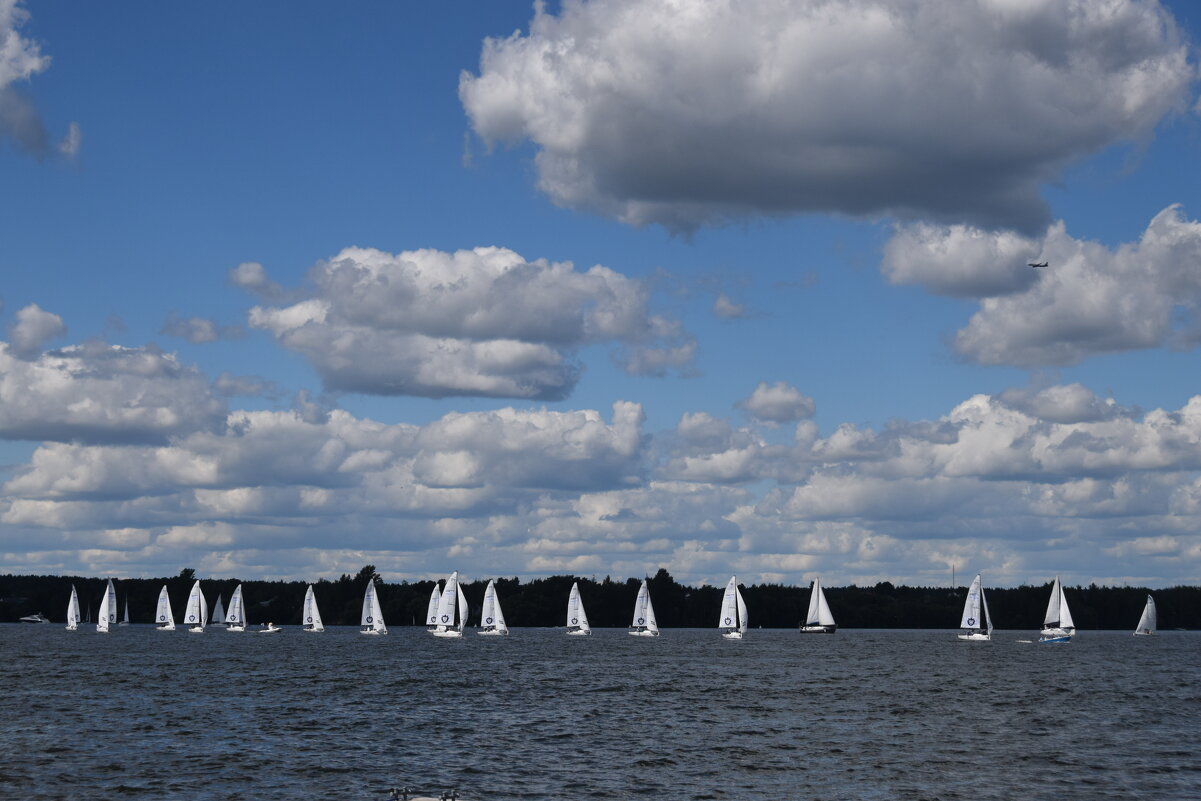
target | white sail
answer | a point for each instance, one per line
(373, 617)
(638, 622)
(235, 619)
(163, 616)
(463, 610)
(742, 624)
(492, 618)
(652, 625)
(125, 617)
(1051, 618)
(312, 615)
(987, 616)
(577, 618)
(728, 619)
(1065, 614)
(196, 613)
(431, 611)
(1058, 616)
(218, 616)
(1146, 623)
(818, 618)
(972, 617)
(73, 610)
(449, 603)
(108, 609)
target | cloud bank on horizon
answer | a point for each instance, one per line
(489, 407)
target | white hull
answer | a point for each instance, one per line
(975, 637)
(731, 635)
(1064, 638)
(271, 630)
(312, 630)
(236, 628)
(818, 629)
(1144, 634)
(578, 633)
(197, 629)
(492, 633)
(373, 632)
(1052, 633)
(644, 633)
(451, 634)
(164, 628)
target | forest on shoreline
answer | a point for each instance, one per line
(609, 602)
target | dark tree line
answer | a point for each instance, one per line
(542, 602)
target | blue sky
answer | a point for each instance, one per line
(601, 288)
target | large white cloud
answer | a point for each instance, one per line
(1089, 300)
(686, 113)
(473, 322)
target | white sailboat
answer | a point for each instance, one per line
(312, 615)
(372, 619)
(1146, 623)
(644, 623)
(196, 614)
(108, 609)
(73, 610)
(577, 618)
(431, 611)
(451, 607)
(218, 616)
(974, 628)
(235, 618)
(125, 618)
(164, 618)
(819, 619)
(732, 620)
(492, 618)
(1058, 625)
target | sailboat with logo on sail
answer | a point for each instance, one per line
(644, 623)
(108, 609)
(164, 618)
(732, 620)
(196, 613)
(1058, 626)
(975, 629)
(431, 610)
(452, 609)
(73, 611)
(819, 619)
(372, 620)
(235, 618)
(312, 615)
(577, 618)
(492, 618)
(1146, 623)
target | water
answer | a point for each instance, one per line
(881, 715)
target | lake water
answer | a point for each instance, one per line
(143, 714)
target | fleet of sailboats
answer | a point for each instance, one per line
(73, 610)
(235, 619)
(819, 619)
(974, 627)
(577, 618)
(732, 620)
(196, 613)
(1146, 623)
(492, 619)
(372, 620)
(1058, 626)
(644, 623)
(164, 618)
(108, 609)
(312, 615)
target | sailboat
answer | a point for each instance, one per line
(218, 616)
(372, 620)
(196, 615)
(644, 623)
(819, 620)
(108, 609)
(453, 600)
(312, 615)
(73, 611)
(1146, 623)
(1058, 625)
(732, 620)
(577, 618)
(125, 619)
(164, 618)
(235, 618)
(431, 611)
(971, 622)
(492, 619)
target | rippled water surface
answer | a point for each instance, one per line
(537, 715)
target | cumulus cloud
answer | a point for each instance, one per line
(687, 114)
(32, 329)
(474, 322)
(20, 59)
(1089, 300)
(199, 330)
(252, 277)
(777, 403)
(102, 393)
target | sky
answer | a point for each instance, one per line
(601, 287)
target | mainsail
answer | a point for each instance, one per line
(372, 619)
(236, 617)
(644, 623)
(312, 615)
(818, 618)
(197, 610)
(108, 609)
(577, 618)
(1146, 623)
(492, 618)
(975, 621)
(163, 616)
(73, 611)
(431, 611)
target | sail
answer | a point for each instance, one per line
(1052, 616)
(312, 615)
(500, 618)
(163, 615)
(462, 607)
(236, 616)
(373, 616)
(640, 604)
(728, 619)
(577, 618)
(108, 608)
(450, 600)
(971, 607)
(218, 616)
(987, 616)
(196, 612)
(651, 623)
(819, 610)
(491, 614)
(431, 611)
(741, 611)
(125, 617)
(1065, 614)
(1146, 623)
(73, 610)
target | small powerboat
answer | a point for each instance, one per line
(36, 617)
(269, 628)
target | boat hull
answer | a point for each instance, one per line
(975, 636)
(731, 635)
(492, 633)
(164, 628)
(578, 633)
(372, 632)
(449, 634)
(236, 628)
(818, 629)
(1144, 634)
(644, 633)
(196, 630)
(1060, 639)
